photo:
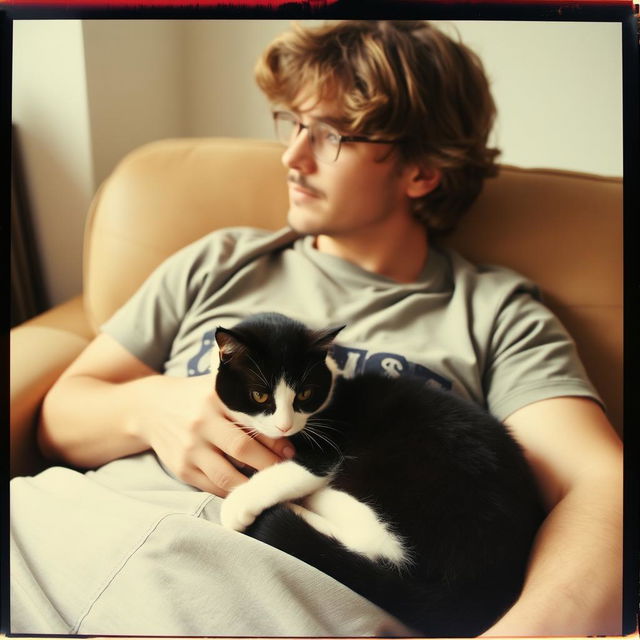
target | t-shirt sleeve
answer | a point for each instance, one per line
(148, 322)
(531, 357)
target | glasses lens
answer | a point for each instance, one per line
(326, 142)
(286, 127)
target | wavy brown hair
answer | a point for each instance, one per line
(396, 79)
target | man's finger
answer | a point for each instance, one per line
(215, 473)
(282, 447)
(234, 442)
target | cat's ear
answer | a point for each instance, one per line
(229, 344)
(324, 339)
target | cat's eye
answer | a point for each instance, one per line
(259, 396)
(305, 394)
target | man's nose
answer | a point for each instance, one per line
(299, 154)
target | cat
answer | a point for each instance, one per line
(414, 498)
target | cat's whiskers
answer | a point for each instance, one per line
(257, 374)
(239, 424)
(259, 371)
(311, 439)
(323, 424)
(252, 432)
(316, 432)
(308, 371)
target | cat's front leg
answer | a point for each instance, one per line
(279, 483)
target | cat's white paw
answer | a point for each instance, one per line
(279, 483)
(236, 511)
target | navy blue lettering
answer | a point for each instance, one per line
(350, 362)
(200, 364)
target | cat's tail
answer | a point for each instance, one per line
(421, 607)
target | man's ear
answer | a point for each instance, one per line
(422, 180)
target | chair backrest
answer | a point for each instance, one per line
(563, 230)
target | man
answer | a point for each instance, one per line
(386, 128)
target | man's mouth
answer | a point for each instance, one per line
(300, 185)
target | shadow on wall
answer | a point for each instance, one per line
(28, 296)
(38, 241)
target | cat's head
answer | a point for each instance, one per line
(273, 373)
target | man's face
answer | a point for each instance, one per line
(363, 189)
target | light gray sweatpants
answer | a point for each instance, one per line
(129, 550)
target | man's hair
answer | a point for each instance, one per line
(396, 79)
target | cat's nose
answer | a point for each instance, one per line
(284, 429)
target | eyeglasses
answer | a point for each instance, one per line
(324, 139)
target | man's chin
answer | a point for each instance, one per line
(303, 223)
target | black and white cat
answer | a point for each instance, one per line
(412, 497)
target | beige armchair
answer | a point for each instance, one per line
(562, 230)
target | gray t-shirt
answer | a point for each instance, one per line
(135, 551)
(480, 331)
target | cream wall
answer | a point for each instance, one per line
(50, 109)
(558, 87)
(85, 93)
(136, 85)
(223, 98)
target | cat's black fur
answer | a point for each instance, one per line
(449, 478)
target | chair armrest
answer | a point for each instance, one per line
(70, 316)
(39, 354)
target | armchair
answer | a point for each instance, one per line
(561, 229)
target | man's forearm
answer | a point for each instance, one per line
(87, 422)
(574, 582)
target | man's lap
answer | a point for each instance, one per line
(128, 550)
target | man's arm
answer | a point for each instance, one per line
(108, 404)
(574, 582)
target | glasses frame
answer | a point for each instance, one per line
(299, 125)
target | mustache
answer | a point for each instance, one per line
(301, 181)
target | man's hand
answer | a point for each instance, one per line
(108, 404)
(191, 434)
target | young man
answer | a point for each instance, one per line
(386, 128)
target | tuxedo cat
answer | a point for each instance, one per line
(412, 497)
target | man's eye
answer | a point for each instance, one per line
(330, 136)
(305, 394)
(259, 396)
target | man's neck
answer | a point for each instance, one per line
(400, 257)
